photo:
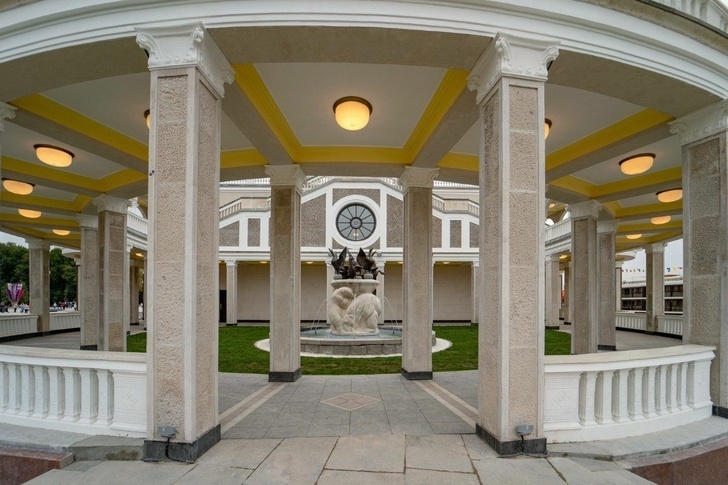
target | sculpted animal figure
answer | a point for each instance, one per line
(339, 317)
(365, 311)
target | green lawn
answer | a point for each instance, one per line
(238, 354)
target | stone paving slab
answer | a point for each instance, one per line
(219, 475)
(338, 477)
(239, 453)
(430, 477)
(376, 453)
(524, 470)
(443, 453)
(298, 461)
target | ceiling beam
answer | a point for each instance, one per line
(648, 228)
(44, 204)
(649, 210)
(639, 185)
(50, 177)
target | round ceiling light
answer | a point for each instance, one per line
(637, 164)
(147, 117)
(672, 195)
(634, 236)
(352, 113)
(546, 128)
(563, 256)
(53, 156)
(660, 220)
(61, 232)
(30, 214)
(17, 187)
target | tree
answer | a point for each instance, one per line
(14, 268)
(63, 276)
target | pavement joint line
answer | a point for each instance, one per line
(273, 387)
(446, 403)
(242, 403)
(454, 400)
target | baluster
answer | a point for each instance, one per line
(620, 393)
(27, 398)
(648, 392)
(72, 391)
(634, 401)
(89, 396)
(587, 395)
(56, 393)
(41, 391)
(604, 397)
(672, 391)
(106, 398)
(14, 388)
(661, 389)
(682, 386)
(3, 387)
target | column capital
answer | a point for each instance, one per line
(605, 227)
(285, 175)
(475, 264)
(112, 204)
(231, 263)
(655, 248)
(38, 244)
(186, 45)
(418, 177)
(7, 112)
(618, 264)
(88, 221)
(553, 258)
(702, 123)
(589, 208)
(512, 56)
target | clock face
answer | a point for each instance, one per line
(356, 222)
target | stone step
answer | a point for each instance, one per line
(109, 448)
(18, 465)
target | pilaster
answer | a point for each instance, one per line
(509, 79)
(188, 72)
(417, 273)
(285, 272)
(655, 288)
(475, 290)
(39, 282)
(231, 282)
(88, 283)
(552, 292)
(606, 255)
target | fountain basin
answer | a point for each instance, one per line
(322, 342)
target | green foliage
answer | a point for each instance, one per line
(237, 353)
(13, 268)
(63, 277)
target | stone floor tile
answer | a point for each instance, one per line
(411, 428)
(597, 465)
(328, 430)
(239, 453)
(338, 477)
(219, 475)
(295, 461)
(404, 418)
(299, 408)
(373, 453)
(477, 449)
(446, 416)
(329, 418)
(451, 428)
(575, 474)
(293, 420)
(523, 469)
(243, 432)
(356, 428)
(364, 418)
(54, 477)
(136, 472)
(620, 477)
(430, 477)
(287, 431)
(258, 419)
(438, 452)
(81, 466)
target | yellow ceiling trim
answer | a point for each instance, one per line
(120, 178)
(628, 244)
(650, 209)
(452, 84)
(41, 221)
(461, 161)
(574, 184)
(627, 127)
(241, 158)
(247, 77)
(612, 207)
(50, 174)
(73, 120)
(82, 201)
(648, 228)
(40, 201)
(669, 175)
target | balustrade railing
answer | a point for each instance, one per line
(136, 223)
(631, 321)
(557, 231)
(628, 393)
(83, 392)
(12, 324)
(670, 324)
(712, 12)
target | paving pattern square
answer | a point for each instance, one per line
(350, 401)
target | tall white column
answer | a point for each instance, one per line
(475, 289)
(606, 254)
(329, 288)
(418, 273)
(704, 136)
(39, 282)
(285, 272)
(113, 268)
(88, 283)
(380, 291)
(188, 72)
(509, 78)
(145, 284)
(231, 282)
(618, 285)
(655, 259)
(553, 291)
(584, 273)
(568, 294)
(127, 289)
(134, 293)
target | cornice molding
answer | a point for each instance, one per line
(655, 248)
(512, 56)
(88, 221)
(38, 244)
(186, 45)
(589, 208)
(112, 204)
(418, 177)
(285, 176)
(607, 227)
(7, 112)
(703, 123)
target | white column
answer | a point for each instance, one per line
(39, 282)
(618, 285)
(88, 283)
(127, 290)
(187, 76)
(134, 293)
(606, 254)
(509, 78)
(113, 268)
(418, 273)
(474, 286)
(380, 290)
(285, 272)
(655, 262)
(704, 136)
(231, 282)
(329, 288)
(584, 265)
(553, 291)
(568, 298)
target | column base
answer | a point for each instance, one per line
(606, 347)
(284, 376)
(417, 376)
(155, 450)
(720, 411)
(536, 446)
(89, 347)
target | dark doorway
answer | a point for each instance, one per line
(223, 306)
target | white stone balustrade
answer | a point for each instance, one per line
(136, 223)
(558, 231)
(17, 324)
(65, 320)
(631, 321)
(628, 393)
(712, 12)
(99, 393)
(670, 324)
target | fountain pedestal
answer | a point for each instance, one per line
(353, 308)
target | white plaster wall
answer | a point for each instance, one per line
(313, 292)
(453, 294)
(393, 291)
(253, 291)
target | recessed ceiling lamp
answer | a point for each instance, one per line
(17, 187)
(147, 117)
(563, 256)
(30, 214)
(672, 195)
(352, 113)
(61, 232)
(53, 156)
(309, 262)
(139, 254)
(660, 220)
(546, 128)
(446, 262)
(552, 205)
(634, 236)
(637, 164)
(264, 262)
